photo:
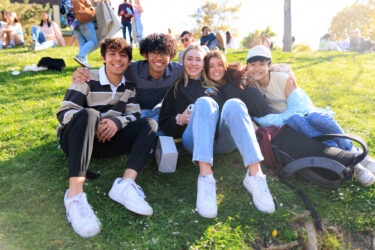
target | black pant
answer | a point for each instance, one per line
(79, 142)
(255, 102)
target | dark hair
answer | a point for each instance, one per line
(3, 16)
(48, 20)
(228, 36)
(259, 58)
(116, 44)
(161, 43)
(186, 32)
(234, 74)
(205, 27)
(326, 36)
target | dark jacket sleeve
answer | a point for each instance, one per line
(167, 116)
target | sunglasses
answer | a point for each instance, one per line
(186, 39)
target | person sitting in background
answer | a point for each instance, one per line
(328, 43)
(11, 33)
(101, 118)
(344, 43)
(187, 39)
(230, 42)
(47, 34)
(358, 43)
(211, 40)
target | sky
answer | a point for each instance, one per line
(311, 19)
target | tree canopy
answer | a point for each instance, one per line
(254, 38)
(360, 15)
(216, 15)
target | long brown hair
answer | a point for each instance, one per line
(233, 72)
(48, 19)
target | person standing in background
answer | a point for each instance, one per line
(126, 12)
(138, 26)
(230, 42)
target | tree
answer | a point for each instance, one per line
(255, 37)
(360, 15)
(217, 15)
(287, 39)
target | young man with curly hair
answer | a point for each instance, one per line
(101, 118)
(152, 76)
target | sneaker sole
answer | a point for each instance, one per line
(131, 208)
(83, 65)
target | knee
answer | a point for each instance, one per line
(150, 124)
(206, 101)
(234, 104)
(296, 119)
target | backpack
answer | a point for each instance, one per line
(290, 152)
(83, 11)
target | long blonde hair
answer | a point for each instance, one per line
(185, 78)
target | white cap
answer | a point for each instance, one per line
(259, 50)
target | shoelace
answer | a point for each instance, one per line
(209, 191)
(262, 185)
(139, 190)
(84, 210)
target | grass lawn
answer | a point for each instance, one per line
(33, 171)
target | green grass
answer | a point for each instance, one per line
(33, 171)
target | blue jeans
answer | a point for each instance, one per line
(138, 28)
(129, 26)
(235, 130)
(40, 42)
(319, 123)
(86, 37)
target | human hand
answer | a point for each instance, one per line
(122, 12)
(184, 118)
(107, 129)
(80, 76)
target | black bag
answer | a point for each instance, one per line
(313, 160)
(52, 63)
(309, 158)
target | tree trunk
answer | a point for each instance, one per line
(287, 39)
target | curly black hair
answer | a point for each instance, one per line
(160, 43)
(116, 44)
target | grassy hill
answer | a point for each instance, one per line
(33, 171)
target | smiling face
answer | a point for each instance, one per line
(258, 70)
(216, 70)
(186, 40)
(158, 62)
(205, 31)
(116, 62)
(193, 63)
(44, 16)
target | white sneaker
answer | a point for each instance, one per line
(129, 194)
(81, 60)
(80, 215)
(206, 196)
(257, 186)
(369, 163)
(363, 175)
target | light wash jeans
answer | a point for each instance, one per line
(235, 131)
(138, 28)
(86, 37)
(39, 39)
(319, 123)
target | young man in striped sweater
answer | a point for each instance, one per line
(102, 118)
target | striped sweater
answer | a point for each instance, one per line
(122, 107)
